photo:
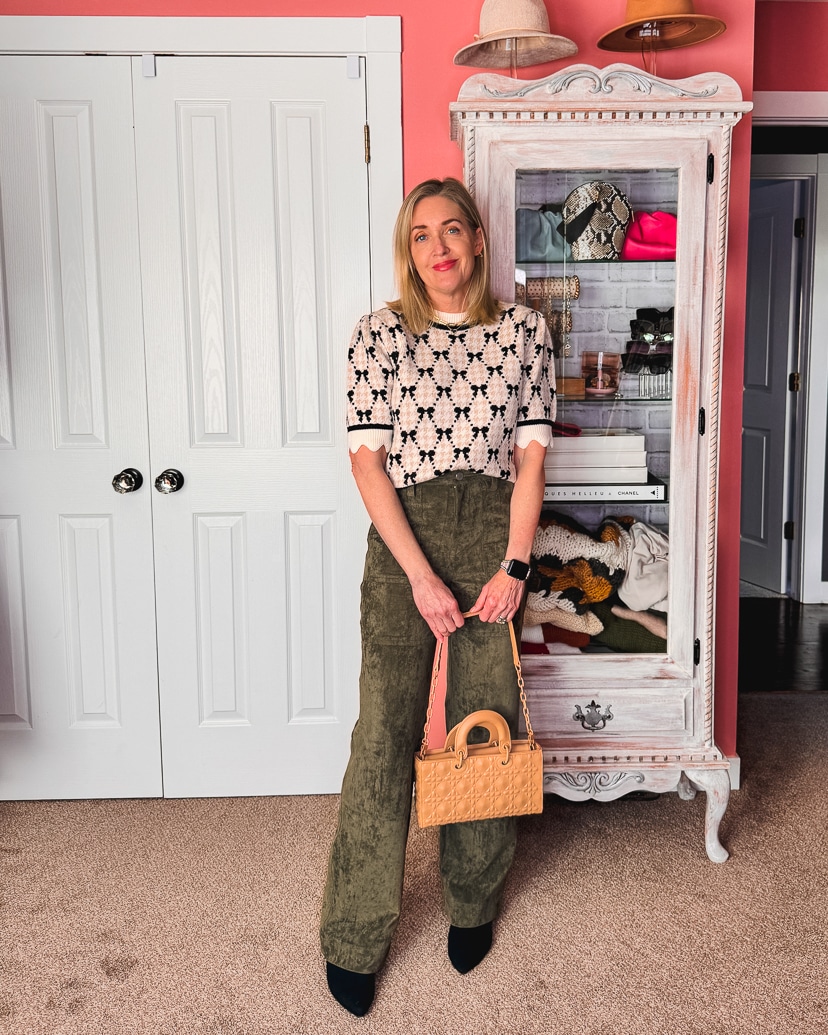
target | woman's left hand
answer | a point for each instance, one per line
(499, 599)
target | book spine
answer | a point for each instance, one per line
(592, 444)
(603, 493)
(593, 458)
(597, 476)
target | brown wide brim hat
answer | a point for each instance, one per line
(661, 25)
(531, 48)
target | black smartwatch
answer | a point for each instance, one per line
(516, 569)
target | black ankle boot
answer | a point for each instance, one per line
(353, 991)
(468, 945)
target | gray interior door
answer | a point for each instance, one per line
(770, 339)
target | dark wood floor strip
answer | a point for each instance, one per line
(783, 646)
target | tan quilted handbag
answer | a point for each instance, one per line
(462, 781)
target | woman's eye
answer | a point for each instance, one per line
(453, 230)
(420, 237)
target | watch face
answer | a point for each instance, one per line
(518, 570)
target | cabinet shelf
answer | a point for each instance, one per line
(530, 267)
(662, 269)
(620, 397)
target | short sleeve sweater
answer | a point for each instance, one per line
(455, 398)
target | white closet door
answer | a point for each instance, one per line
(255, 266)
(78, 680)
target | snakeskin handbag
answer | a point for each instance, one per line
(595, 220)
(461, 781)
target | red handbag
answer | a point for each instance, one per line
(651, 235)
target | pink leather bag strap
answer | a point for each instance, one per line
(435, 673)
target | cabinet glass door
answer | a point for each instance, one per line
(594, 251)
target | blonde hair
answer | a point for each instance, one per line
(414, 303)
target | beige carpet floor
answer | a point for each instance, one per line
(199, 917)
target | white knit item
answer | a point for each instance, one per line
(540, 610)
(568, 545)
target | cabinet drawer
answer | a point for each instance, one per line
(603, 714)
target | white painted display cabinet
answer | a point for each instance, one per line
(612, 721)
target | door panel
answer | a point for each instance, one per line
(254, 239)
(78, 679)
(254, 230)
(770, 321)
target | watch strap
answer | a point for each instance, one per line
(519, 570)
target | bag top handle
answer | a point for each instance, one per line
(457, 739)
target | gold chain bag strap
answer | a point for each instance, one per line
(462, 781)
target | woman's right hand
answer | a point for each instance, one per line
(433, 598)
(437, 605)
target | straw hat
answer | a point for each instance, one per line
(524, 21)
(661, 25)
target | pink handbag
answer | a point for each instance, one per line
(651, 235)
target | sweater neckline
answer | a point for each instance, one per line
(451, 319)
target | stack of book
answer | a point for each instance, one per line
(600, 463)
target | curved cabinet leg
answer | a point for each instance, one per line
(716, 785)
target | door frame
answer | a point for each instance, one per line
(373, 46)
(807, 439)
(809, 573)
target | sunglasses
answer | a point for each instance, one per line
(656, 356)
(662, 318)
(647, 330)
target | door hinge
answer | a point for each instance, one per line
(788, 530)
(353, 66)
(696, 652)
(148, 66)
(367, 136)
(702, 421)
(799, 227)
(794, 381)
(711, 165)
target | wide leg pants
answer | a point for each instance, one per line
(462, 522)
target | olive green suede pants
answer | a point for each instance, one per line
(462, 522)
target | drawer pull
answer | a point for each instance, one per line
(591, 718)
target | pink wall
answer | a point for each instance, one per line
(790, 46)
(432, 31)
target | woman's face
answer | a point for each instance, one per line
(443, 247)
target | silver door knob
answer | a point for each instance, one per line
(129, 480)
(169, 480)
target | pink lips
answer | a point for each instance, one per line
(441, 267)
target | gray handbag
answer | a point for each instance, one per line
(537, 237)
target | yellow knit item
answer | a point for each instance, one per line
(579, 575)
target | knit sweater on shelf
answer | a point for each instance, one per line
(456, 398)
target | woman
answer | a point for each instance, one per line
(450, 405)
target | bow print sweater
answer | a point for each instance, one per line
(457, 398)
